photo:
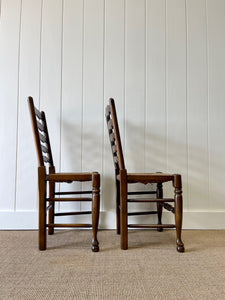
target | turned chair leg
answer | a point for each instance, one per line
(118, 207)
(159, 205)
(42, 208)
(51, 212)
(95, 210)
(178, 212)
(123, 210)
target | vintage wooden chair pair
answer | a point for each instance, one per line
(48, 175)
(123, 196)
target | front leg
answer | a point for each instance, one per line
(95, 209)
(51, 213)
(178, 211)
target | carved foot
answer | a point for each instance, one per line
(160, 229)
(180, 246)
(95, 247)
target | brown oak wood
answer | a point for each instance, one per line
(47, 175)
(123, 179)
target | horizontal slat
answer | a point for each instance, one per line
(149, 177)
(42, 138)
(151, 200)
(112, 137)
(140, 213)
(44, 149)
(64, 177)
(69, 199)
(110, 124)
(107, 110)
(142, 193)
(107, 116)
(115, 159)
(114, 149)
(73, 193)
(73, 213)
(169, 207)
(69, 225)
(151, 226)
(46, 159)
(40, 126)
(38, 113)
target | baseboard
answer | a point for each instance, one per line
(28, 220)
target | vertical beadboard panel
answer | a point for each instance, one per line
(113, 88)
(93, 111)
(135, 85)
(135, 92)
(26, 198)
(162, 60)
(176, 90)
(72, 92)
(155, 137)
(216, 64)
(197, 105)
(51, 68)
(9, 62)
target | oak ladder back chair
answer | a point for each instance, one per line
(47, 203)
(123, 196)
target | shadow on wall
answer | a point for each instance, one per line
(201, 184)
(81, 149)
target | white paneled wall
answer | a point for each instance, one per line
(164, 63)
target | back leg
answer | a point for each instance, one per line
(118, 206)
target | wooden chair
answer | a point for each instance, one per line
(49, 175)
(123, 195)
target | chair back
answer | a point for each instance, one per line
(114, 136)
(41, 136)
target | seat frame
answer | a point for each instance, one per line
(47, 175)
(123, 196)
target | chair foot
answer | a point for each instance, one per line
(95, 247)
(50, 231)
(180, 246)
(42, 249)
(160, 229)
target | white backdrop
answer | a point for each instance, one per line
(164, 63)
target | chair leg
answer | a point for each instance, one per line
(95, 209)
(123, 210)
(178, 212)
(51, 212)
(42, 208)
(159, 205)
(118, 206)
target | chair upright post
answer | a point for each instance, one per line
(123, 209)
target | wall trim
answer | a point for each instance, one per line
(28, 220)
